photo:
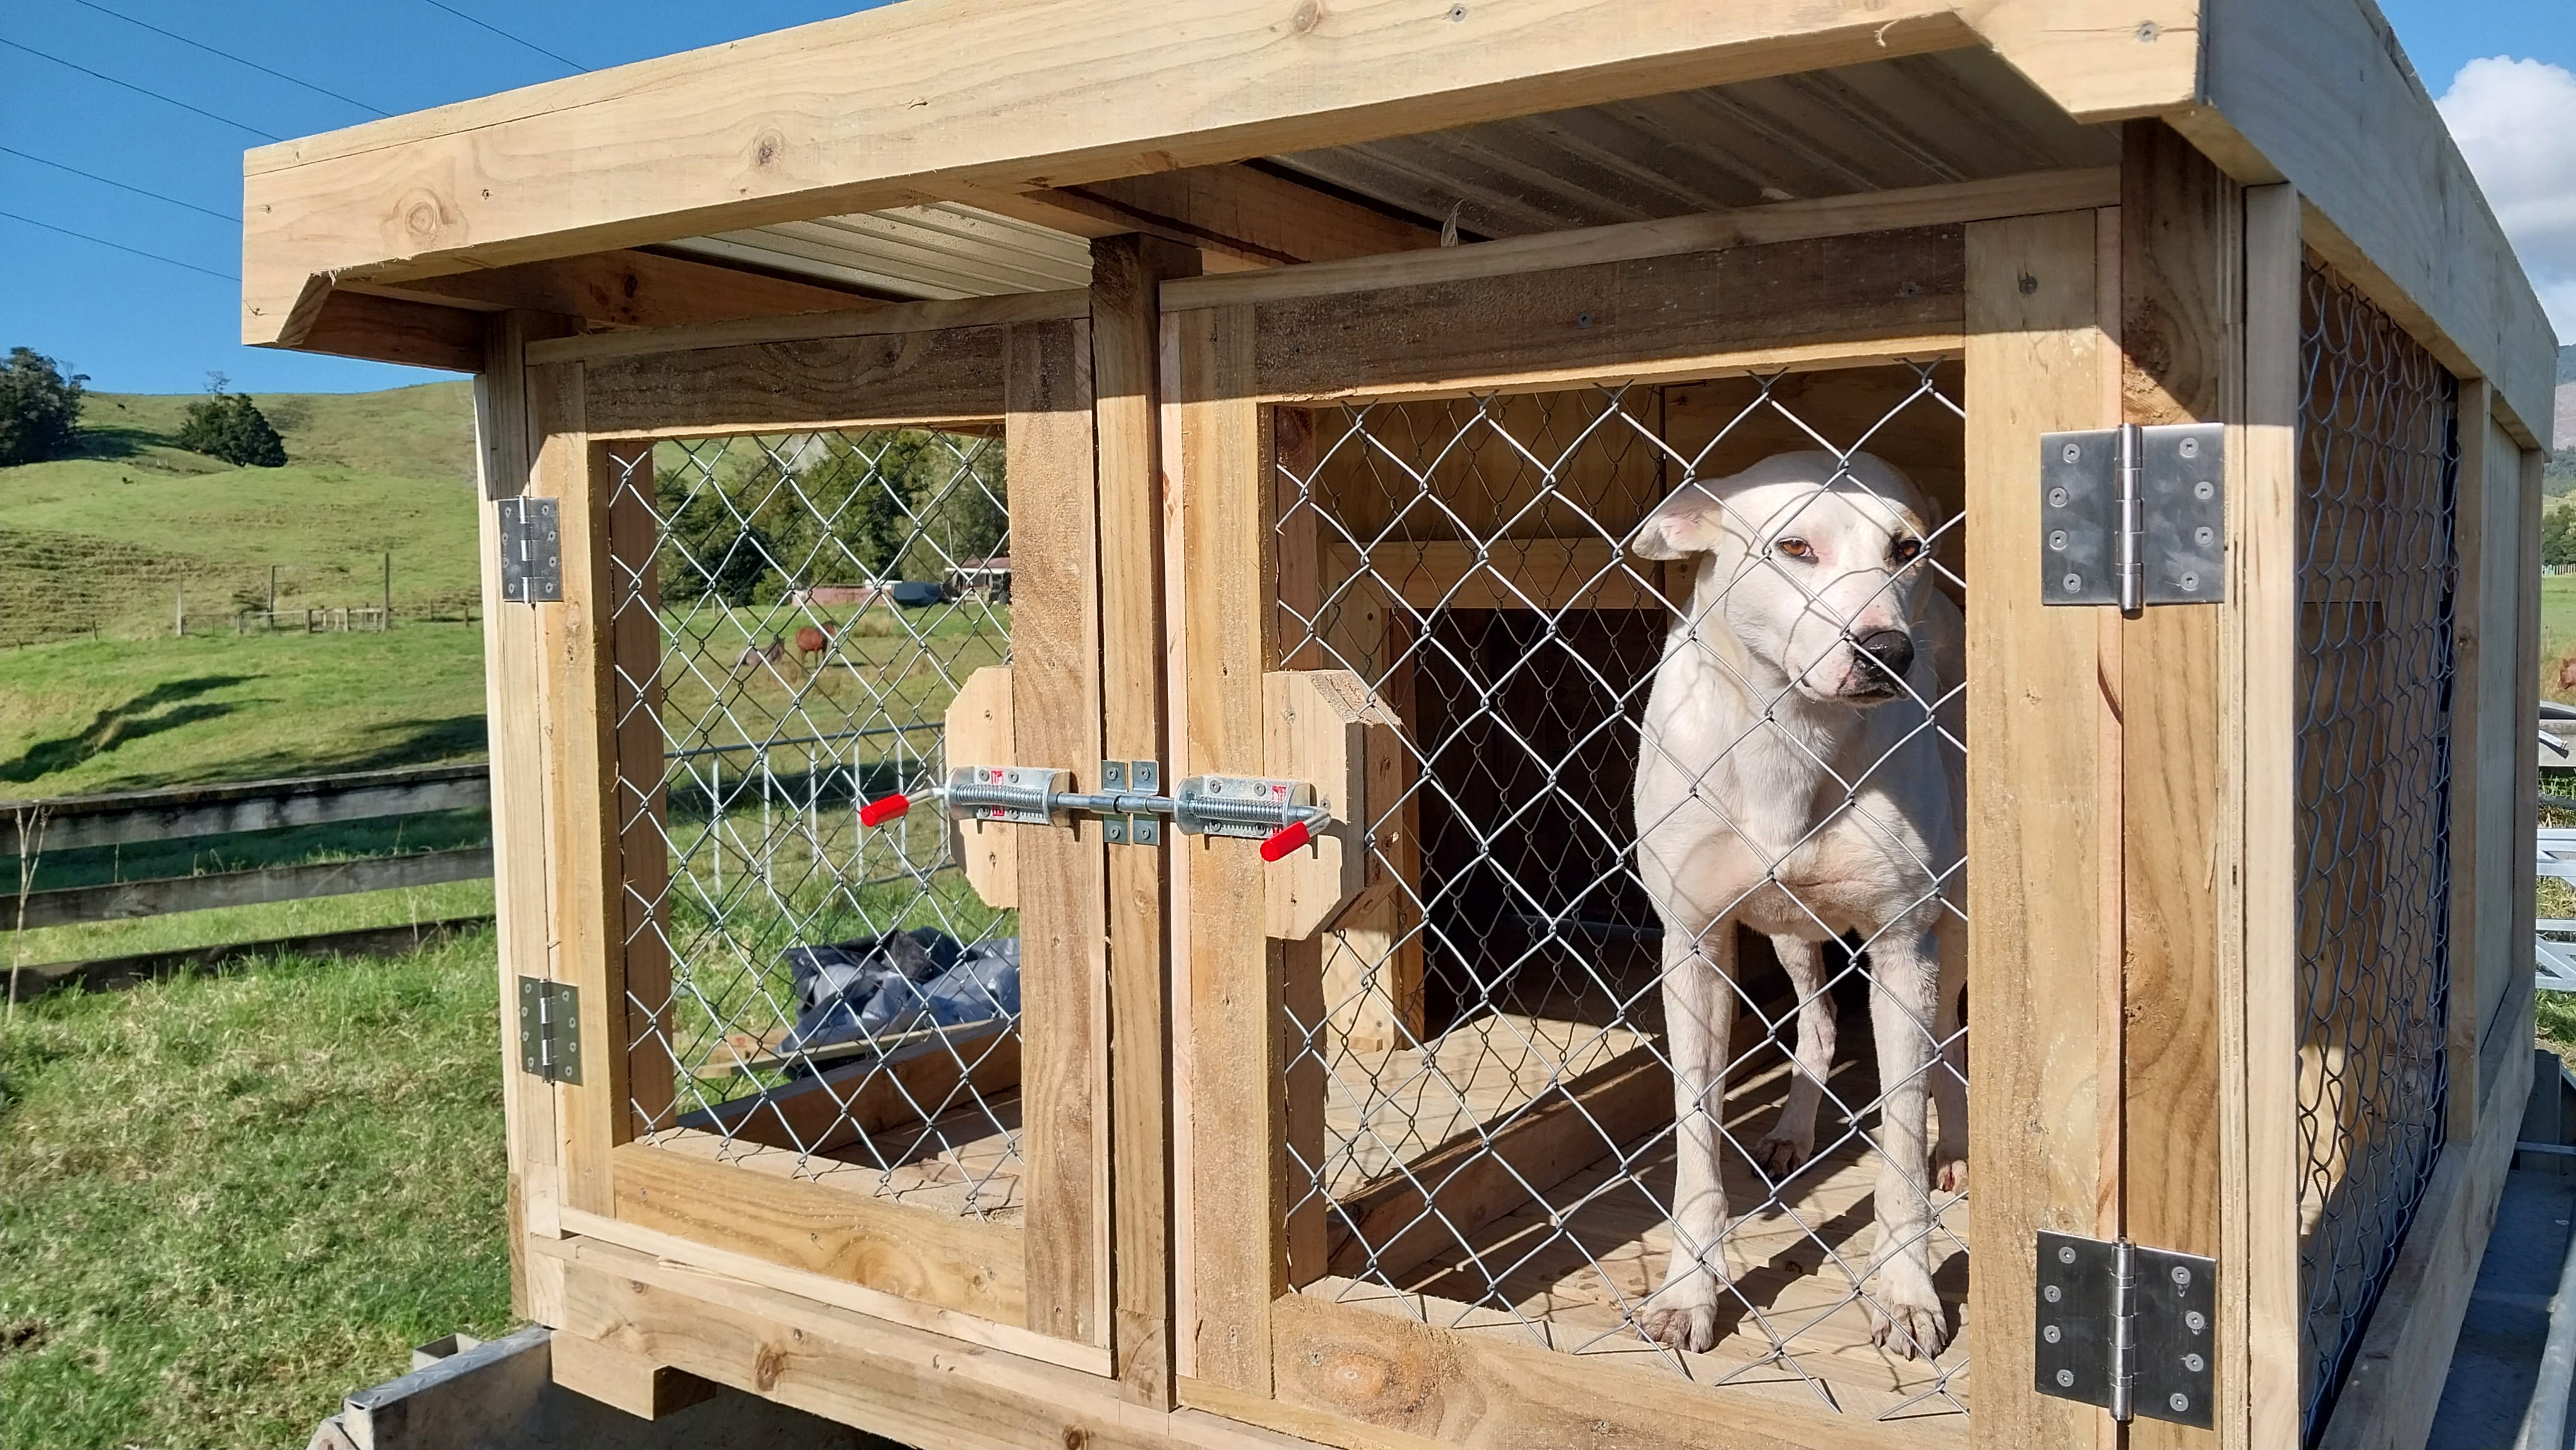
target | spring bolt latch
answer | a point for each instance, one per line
(1282, 814)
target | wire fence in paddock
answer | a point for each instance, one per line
(1498, 1144)
(2378, 466)
(799, 983)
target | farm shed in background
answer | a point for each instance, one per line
(1326, 362)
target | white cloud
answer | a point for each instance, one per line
(2516, 122)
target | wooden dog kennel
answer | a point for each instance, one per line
(1295, 382)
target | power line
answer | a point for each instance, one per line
(140, 91)
(120, 246)
(121, 186)
(228, 55)
(505, 35)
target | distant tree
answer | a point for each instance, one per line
(230, 426)
(39, 408)
(2558, 538)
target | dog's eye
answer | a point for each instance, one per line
(1905, 551)
(1797, 548)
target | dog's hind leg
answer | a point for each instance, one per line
(1699, 1017)
(1905, 1313)
(1950, 1076)
(1792, 1140)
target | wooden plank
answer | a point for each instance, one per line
(1389, 1228)
(1479, 1392)
(2486, 763)
(752, 1201)
(2181, 274)
(977, 731)
(639, 803)
(1836, 299)
(913, 1084)
(1318, 723)
(921, 1387)
(1125, 328)
(576, 714)
(630, 1382)
(2397, 1374)
(1949, 204)
(2259, 1349)
(860, 113)
(1248, 213)
(2039, 778)
(625, 289)
(837, 382)
(124, 900)
(1238, 1176)
(511, 672)
(1549, 574)
(389, 330)
(124, 817)
(2319, 93)
(2509, 1024)
(1061, 876)
(2474, 708)
(892, 319)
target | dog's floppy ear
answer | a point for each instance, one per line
(1685, 523)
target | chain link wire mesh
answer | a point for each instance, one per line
(2378, 466)
(832, 991)
(1499, 1146)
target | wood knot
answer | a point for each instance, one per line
(1075, 1437)
(766, 1366)
(1309, 14)
(766, 146)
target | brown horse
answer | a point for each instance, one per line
(811, 641)
(2567, 672)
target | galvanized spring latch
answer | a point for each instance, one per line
(1281, 814)
(2129, 1328)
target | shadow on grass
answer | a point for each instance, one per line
(380, 747)
(155, 710)
(119, 441)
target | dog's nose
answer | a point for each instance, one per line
(1887, 651)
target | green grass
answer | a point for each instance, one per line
(104, 541)
(230, 1200)
(82, 717)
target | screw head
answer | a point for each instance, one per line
(2052, 1293)
(2195, 1322)
(1583, 319)
(2057, 498)
(2049, 1333)
(2065, 1379)
(2066, 1253)
(2203, 489)
(2070, 453)
(2180, 1403)
(2202, 535)
(2057, 539)
(2190, 448)
(2070, 584)
(2190, 583)
(2181, 1275)
(2194, 1363)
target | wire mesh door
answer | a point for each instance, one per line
(839, 1048)
(2378, 571)
(1676, 798)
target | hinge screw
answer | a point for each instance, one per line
(2051, 1293)
(2065, 1378)
(2180, 1403)
(2181, 1275)
(2202, 489)
(2070, 453)
(2057, 498)
(2049, 1333)
(2190, 448)
(2065, 1255)
(2193, 1363)
(2195, 1321)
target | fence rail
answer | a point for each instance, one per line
(125, 900)
(68, 823)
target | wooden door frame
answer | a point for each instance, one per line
(1024, 362)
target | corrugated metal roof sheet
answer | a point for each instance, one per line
(1957, 115)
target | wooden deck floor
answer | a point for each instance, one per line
(966, 1163)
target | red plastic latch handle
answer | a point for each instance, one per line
(883, 809)
(1290, 837)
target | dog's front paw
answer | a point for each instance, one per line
(1683, 1313)
(1780, 1154)
(1911, 1325)
(1950, 1175)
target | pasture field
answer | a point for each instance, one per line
(230, 1200)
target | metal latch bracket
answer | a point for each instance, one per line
(2133, 516)
(2128, 1328)
(550, 1030)
(531, 550)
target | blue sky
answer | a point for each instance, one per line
(139, 325)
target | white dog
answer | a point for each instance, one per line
(1790, 780)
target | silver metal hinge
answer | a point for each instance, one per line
(531, 550)
(550, 1029)
(2134, 516)
(1131, 777)
(2128, 1328)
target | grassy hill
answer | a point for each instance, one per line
(102, 543)
(96, 694)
